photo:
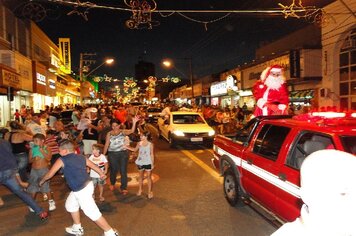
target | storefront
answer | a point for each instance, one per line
(301, 96)
(218, 92)
(40, 89)
(23, 96)
(225, 93)
(9, 83)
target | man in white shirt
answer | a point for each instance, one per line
(35, 125)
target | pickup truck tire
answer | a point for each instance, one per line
(231, 187)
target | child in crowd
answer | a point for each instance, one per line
(144, 161)
(100, 160)
(17, 115)
(78, 180)
(40, 157)
(67, 135)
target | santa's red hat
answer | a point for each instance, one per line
(268, 70)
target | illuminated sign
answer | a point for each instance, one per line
(41, 79)
(231, 83)
(64, 49)
(218, 88)
(52, 84)
(55, 61)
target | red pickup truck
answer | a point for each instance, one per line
(261, 163)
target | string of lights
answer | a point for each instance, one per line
(142, 9)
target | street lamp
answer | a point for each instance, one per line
(169, 64)
(81, 72)
(107, 61)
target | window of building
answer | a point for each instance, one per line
(347, 70)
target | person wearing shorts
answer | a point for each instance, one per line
(144, 161)
(99, 160)
(39, 156)
(82, 189)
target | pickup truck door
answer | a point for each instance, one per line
(259, 164)
(301, 143)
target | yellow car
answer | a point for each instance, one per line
(184, 127)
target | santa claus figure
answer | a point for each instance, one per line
(271, 92)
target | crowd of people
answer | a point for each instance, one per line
(95, 143)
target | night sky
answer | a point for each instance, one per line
(223, 45)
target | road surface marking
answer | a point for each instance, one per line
(205, 167)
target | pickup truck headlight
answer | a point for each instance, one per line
(211, 132)
(178, 133)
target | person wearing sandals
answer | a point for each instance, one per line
(99, 160)
(115, 147)
(144, 161)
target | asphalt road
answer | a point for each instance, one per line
(188, 200)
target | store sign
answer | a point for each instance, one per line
(55, 61)
(231, 82)
(52, 84)
(64, 49)
(41, 79)
(218, 89)
(10, 79)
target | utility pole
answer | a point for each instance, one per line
(191, 77)
(83, 61)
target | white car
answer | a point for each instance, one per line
(185, 127)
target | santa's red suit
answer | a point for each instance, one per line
(271, 93)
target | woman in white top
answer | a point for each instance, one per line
(115, 147)
(144, 161)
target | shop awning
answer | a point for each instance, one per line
(301, 95)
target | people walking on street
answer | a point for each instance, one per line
(82, 189)
(144, 161)
(23, 113)
(17, 115)
(115, 147)
(100, 160)
(40, 157)
(19, 138)
(8, 170)
(106, 128)
(35, 124)
(52, 144)
(91, 134)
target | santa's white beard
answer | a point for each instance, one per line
(273, 82)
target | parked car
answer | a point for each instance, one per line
(184, 127)
(261, 164)
(152, 114)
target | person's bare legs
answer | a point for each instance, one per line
(149, 184)
(75, 217)
(140, 182)
(103, 224)
(101, 191)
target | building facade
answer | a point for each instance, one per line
(339, 56)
